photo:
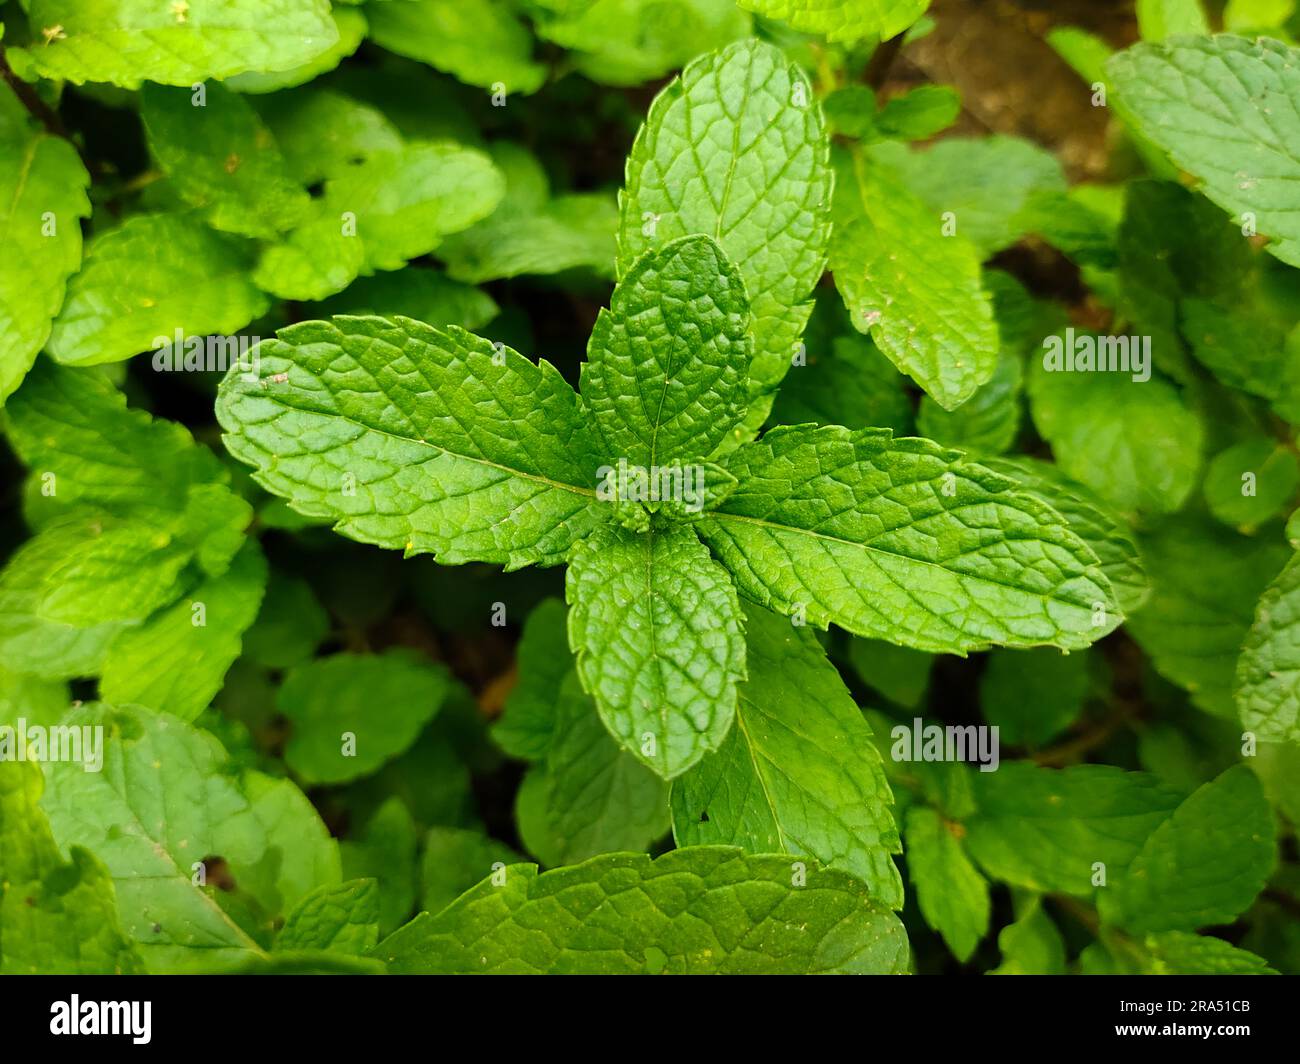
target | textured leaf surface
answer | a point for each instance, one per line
(128, 41)
(916, 291)
(901, 540)
(1202, 866)
(1227, 110)
(799, 772)
(443, 449)
(380, 702)
(342, 918)
(42, 197)
(953, 896)
(727, 152)
(152, 275)
(704, 909)
(456, 859)
(55, 916)
(668, 363)
(657, 630)
(221, 158)
(165, 800)
(1268, 671)
(843, 20)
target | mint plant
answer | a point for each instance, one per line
(639, 488)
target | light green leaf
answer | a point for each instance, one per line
(1178, 953)
(843, 20)
(543, 662)
(152, 275)
(1160, 19)
(902, 540)
(1268, 671)
(705, 909)
(425, 295)
(384, 850)
(481, 42)
(456, 859)
(164, 807)
(378, 215)
(351, 26)
(1204, 865)
(330, 704)
(1044, 829)
(177, 659)
(411, 437)
(43, 193)
(221, 158)
(952, 895)
(1251, 481)
(901, 674)
(799, 772)
(987, 422)
(736, 149)
(1032, 945)
(917, 292)
(657, 630)
(1227, 110)
(667, 364)
(341, 918)
(55, 917)
(322, 133)
(128, 41)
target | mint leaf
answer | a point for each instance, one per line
(897, 271)
(329, 703)
(736, 149)
(478, 41)
(901, 540)
(165, 807)
(1202, 866)
(151, 276)
(221, 158)
(1033, 695)
(425, 295)
(384, 850)
(843, 20)
(55, 917)
(1045, 829)
(43, 190)
(128, 41)
(419, 439)
(543, 661)
(177, 659)
(845, 382)
(667, 364)
(1159, 19)
(323, 133)
(342, 918)
(456, 859)
(657, 630)
(952, 895)
(1032, 945)
(798, 773)
(1196, 96)
(703, 909)
(1250, 482)
(1178, 953)
(351, 25)
(1267, 692)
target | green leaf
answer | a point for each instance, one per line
(351, 25)
(388, 209)
(1268, 671)
(1044, 829)
(478, 41)
(128, 41)
(341, 918)
(221, 158)
(1134, 442)
(43, 192)
(425, 295)
(456, 859)
(901, 674)
(55, 917)
(736, 149)
(1225, 109)
(845, 382)
(1250, 482)
(1033, 695)
(531, 231)
(1178, 953)
(902, 540)
(657, 630)
(667, 364)
(798, 773)
(1032, 945)
(1202, 866)
(1205, 583)
(152, 275)
(987, 422)
(322, 133)
(164, 808)
(952, 895)
(917, 292)
(1159, 19)
(290, 625)
(705, 909)
(843, 20)
(543, 662)
(1089, 519)
(416, 438)
(919, 113)
(330, 704)
(384, 850)
(177, 659)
